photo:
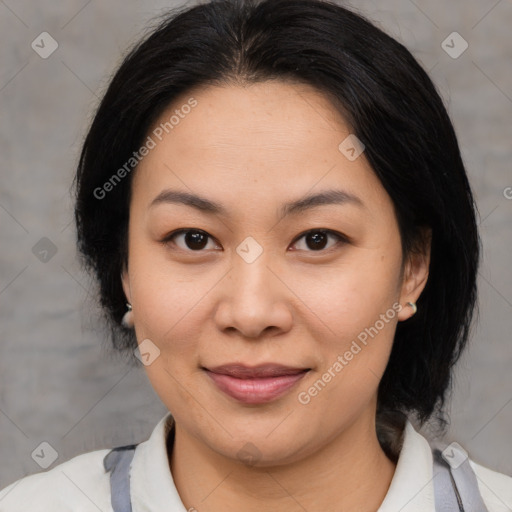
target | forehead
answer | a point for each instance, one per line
(273, 139)
(277, 116)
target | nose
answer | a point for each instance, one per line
(253, 300)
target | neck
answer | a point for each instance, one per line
(351, 472)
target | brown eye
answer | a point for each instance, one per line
(191, 239)
(317, 239)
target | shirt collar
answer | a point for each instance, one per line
(153, 489)
(412, 487)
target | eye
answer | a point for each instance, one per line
(192, 239)
(196, 240)
(317, 239)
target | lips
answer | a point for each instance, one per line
(256, 384)
(256, 372)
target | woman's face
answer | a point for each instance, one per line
(247, 285)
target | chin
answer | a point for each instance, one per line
(256, 448)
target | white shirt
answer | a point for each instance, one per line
(82, 485)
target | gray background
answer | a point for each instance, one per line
(57, 383)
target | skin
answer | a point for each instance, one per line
(253, 148)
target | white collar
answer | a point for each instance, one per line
(412, 486)
(153, 489)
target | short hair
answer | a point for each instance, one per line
(390, 104)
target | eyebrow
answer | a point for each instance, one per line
(202, 204)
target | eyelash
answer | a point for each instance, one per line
(341, 239)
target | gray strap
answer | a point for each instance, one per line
(446, 499)
(467, 485)
(118, 462)
(455, 486)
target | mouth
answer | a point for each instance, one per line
(257, 384)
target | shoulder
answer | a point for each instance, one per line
(80, 483)
(495, 488)
(415, 464)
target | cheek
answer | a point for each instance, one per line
(352, 366)
(356, 307)
(163, 301)
(165, 314)
(351, 295)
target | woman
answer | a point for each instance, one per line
(273, 201)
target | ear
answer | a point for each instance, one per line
(416, 272)
(125, 281)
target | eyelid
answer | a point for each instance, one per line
(341, 238)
